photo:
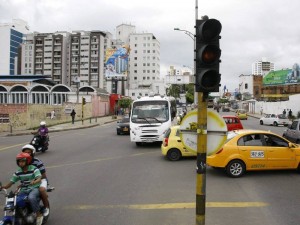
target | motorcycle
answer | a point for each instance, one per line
(37, 142)
(17, 209)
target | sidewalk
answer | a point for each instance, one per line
(67, 126)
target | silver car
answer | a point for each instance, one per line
(292, 133)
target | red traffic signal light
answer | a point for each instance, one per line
(207, 55)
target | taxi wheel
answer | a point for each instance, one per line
(235, 168)
(174, 154)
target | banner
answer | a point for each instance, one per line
(116, 61)
(282, 77)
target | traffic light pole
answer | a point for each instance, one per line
(201, 158)
(82, 105)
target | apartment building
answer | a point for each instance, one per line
(262, 67)
(45, 54)
(66, 57)
(10, 40)
(86, 58)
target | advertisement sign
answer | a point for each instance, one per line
(116, 61)
(282, 77)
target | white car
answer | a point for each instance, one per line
(273, 119)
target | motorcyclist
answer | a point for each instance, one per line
(44, 182)
(30, 178)
(43, 132)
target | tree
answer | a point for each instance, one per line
(124, 102)
(189, 93)
(173, 90)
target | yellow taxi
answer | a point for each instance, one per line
(241, 114)
(247, 150)
(172, 147)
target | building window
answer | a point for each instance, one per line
(246, 86)
(135, 78)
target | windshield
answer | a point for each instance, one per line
(150, 112)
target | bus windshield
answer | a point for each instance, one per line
(150, 112)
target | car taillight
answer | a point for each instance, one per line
(166, 140)
(218, 152)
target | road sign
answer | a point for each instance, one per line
(216, 131)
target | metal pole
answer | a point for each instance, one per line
(201, 158)
(196, 17)
(82, 110)
(201, 146)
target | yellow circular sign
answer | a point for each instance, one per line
(216, 131)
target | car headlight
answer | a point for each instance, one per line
(118, 127)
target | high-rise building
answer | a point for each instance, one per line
(11, 35)
(45, 54)
(86, 58)
(144, 69)
(66, 57)
(143, 73)
(262, 67)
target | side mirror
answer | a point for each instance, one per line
(291, 145)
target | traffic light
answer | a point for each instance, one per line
(83, 101)
(207, 55)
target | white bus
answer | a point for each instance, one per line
(150, 118)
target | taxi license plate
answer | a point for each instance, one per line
(125, 129)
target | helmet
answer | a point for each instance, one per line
(30, 147)
(43, 123)
(23, 156)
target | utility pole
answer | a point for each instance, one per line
(207, 79)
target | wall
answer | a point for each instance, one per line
(253, 106)
(29, 116)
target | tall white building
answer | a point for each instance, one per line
(144, 62)
(11, 35)
(262, 67)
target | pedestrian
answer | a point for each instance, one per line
(284, 112)
(261, 110)
(290, 114)
(73, 113)
(52, 115)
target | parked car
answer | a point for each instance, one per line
(247, 150)
(232, 122)
(292, 133)
(172, 146)
(123, 126)
(273, 119)
(241, 114)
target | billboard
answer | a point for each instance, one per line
(283, 77)
(116, 61)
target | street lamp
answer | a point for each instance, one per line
(191, 35)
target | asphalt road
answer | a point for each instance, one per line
(103, 178)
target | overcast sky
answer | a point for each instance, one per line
(251, 29)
